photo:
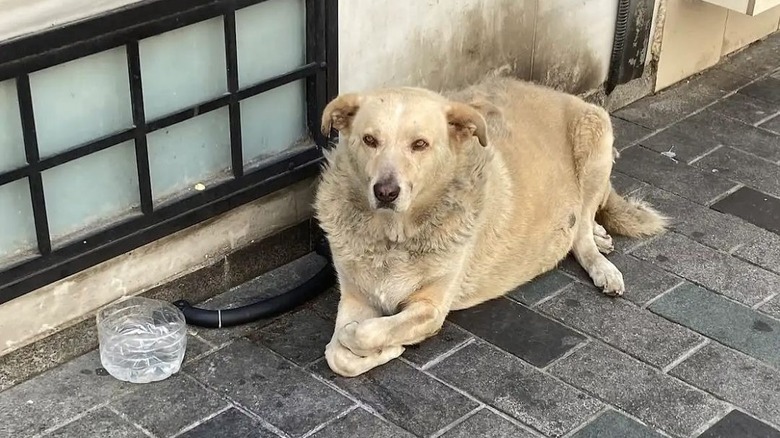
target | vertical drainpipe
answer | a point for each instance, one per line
(632, 40)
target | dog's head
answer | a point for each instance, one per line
(401, 139)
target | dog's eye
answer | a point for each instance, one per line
(419, 145)
(369, 140)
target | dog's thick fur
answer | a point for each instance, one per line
(497, 184)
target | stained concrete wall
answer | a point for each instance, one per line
(445, 44)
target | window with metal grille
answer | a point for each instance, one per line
(126, 127)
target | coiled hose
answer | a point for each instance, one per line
(317, 284)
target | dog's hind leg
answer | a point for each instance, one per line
(603, 273)
(603, 240)
(593, 155)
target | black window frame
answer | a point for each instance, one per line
(125, 27)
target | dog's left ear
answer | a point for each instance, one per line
(465, 122)
(338, 114)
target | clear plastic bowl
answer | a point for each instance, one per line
(142, 340)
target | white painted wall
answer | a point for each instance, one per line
(20, 17)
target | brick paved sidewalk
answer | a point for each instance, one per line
(692, 350)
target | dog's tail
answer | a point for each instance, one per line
(630, 217)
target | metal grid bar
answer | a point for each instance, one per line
(31, 152)
(231, 55)
(139, 131)
(125, 27)
(315, 19)
(142, 128)
(114, 29)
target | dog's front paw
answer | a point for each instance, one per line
(360, 339)
(608, 277)
(345, 363)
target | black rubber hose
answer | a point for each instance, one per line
(269, 307)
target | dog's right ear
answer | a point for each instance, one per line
(340, 112)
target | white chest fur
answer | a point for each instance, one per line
(385, 277)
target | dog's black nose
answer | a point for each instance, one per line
(386, 191)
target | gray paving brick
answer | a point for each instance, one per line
(672, 176)
(360, 423)
(512, 386)
(516, 329)
(704, 131)
(487, 424)
(753, 206)
(745, 108)
(449, 337)
(300, 336)
(613, 424)
(756, 60)
(772, 307)
(722, 273)
(404, 395)
(540, 287)
(699, 223)
(56, 396)
(265, 384)
(763, 251)
(638, 389)
(327, 303)
(727, 322)
(231, 423)
(747, 169)
(735, 377)
(626, 185)
(100, 423)
(766, 89)
(627, 133)
(624, 245)
(621, 324)
(738, 424)
(169, 406)
(643, 280)
(772, 124)
(196, 347)
(673, 104)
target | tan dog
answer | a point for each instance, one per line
(433, 204)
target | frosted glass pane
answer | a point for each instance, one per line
(273, 121)
(190, 152)
(81, 101)
(11, 140)
(91, 192)
(17, 238)
(183, 67)
(271, 39)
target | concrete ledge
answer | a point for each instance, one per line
(195, 263)
(196, 286)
